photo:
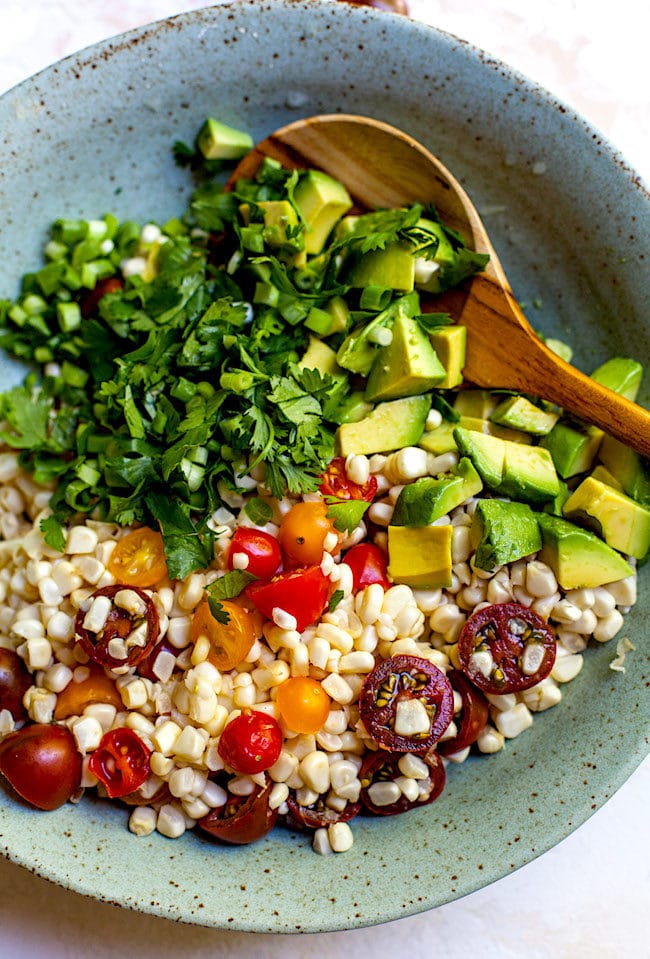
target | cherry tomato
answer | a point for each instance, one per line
(42, 763)
(15, 680)
(230, 642)
(120, 762)
(335, 482)
(384, 767)
(119, 625)
(243, 819)
(251, 742)
(139, 559)
(318, 815)
(262, 549)
(303, 704)
(369, 564)
(146, 665)
(302, 533)
(90, 300)
(473, 716)
(392, 690)
(97, 688)
(303, 593)
(506, 648)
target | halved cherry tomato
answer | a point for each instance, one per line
(473, 715)
(230, 642)
(318, 815)
(383, 767)
(335, 482)
(96, 688)
(120, 762)
(42, 763)
(302, 533)
(119, 625)
(303, 593)
(146, 665)
(262, 549)
(369, 564)
(90, 300)
(303, 704)
(251, 742)
(139, 558)
(15, 680)
(243, 819)
(505, 648)
(398, 685)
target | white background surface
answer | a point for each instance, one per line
(589, 896)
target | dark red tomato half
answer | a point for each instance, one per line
(42, 763)
(335, 482)
(394, 691)
(119, 624)
(383, 767)
(15, 680)
(473, 714)
(90, 300)
(262, 550)
(251, 742)
(369, 564)
(120, 762)
(318, 815)
(242, 819)
(302, 593)
(506, 648)
(147, 663)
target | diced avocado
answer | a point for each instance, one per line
(519, 413)
(319, 356)
(477, 403)
(560, 348)
(359, 349)
(487, 453)
(429, 498)
(321, 201)
(493, 429)
(345, 228)
(408, 366)
(523, 472)
(440, 440)
(280, 224)
(352, 408)
(627, 467)
(503, 532)
(554, 506)
(390, 426)
(450, 344)
(329, 319)
(216, 141)
(602, 474)
(391, 268)
(420, 556)
(577, 557)
(573, 449)
(430, 271)
(620, 374)
(618, 519)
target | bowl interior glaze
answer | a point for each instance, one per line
(570, 222)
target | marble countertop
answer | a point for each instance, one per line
(586, 898)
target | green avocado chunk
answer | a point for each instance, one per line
(420, 556)
(441, 439)
(392, 268)
(477, 403)
(577, 557)
(280, 224)
(502, 532)
(216, 141)
(513, 469)
(321, 201)
(573, 449)
(429, 498)
(519, 413)
(390, 426)
(450, 344)
(620, 374)
(617, 518)
(627, 467)
(408, 366)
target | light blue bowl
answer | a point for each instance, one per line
(93, 134)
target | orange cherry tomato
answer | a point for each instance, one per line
(97, 688)
(229, 642)
(139, 559)
(302, 533)
(303, 704)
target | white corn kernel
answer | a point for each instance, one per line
(314, 771)
(87, 732)
(338, 689)
(623, 591)
(40, 704)
(134, 694)
(490, 740)
(502, 701)
(104, 713)
(181, 782)
(37, 653)
(142, 821)
(340, 836)
(28, 628)
(60, 626)
(214, 795)
(413, 766)
(285, 765)
(567, 668)
(411, 718)
(95, 618)
(81, 539)
(369, 602)
(383, 793)
(190, 744)
(514, 721)
(608, 626)
(321, 843)
(283, 619)
(408, 787)
(532, 657)
(542, 696)
(337, 638)
(540, 579)
(356, 662)
(319, 651)
(381, 513)
(274, 675)
(481, 662)
(278, 795)
(357, 469)
(171, 821)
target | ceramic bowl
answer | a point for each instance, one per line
(570, 222)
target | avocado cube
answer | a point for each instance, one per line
(629, 469)
(420, 556)
(620, 374)
(450, 344)
(578, 557)
(319, 356)
(351, 408)
(494, 429)
(321, 201)
(216, 141)
(440, 440)
(280, 225)
(602, 474)
(429, 498)
(390, 426)
(573, 449)
(560, 348)
(407, 367)
(618, 519)
(487, 453)
(476, 403)
(391, 268)
(503, 532)
(519, 413)
(529, 473)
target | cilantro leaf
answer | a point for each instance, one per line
(335, 599)
(227, 587)
(346, 514)
(53, 533)
(259, 511)
(186, 546)
(27, 416)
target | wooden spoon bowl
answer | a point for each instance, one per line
(383, 167)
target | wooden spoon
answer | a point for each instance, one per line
(383, 167)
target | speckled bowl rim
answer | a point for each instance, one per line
(396, 896)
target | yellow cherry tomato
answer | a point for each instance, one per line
(229, 642)
(302, 533)
(96, 688)
(139, 559)
(303, 704)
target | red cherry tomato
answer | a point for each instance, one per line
(303, 593)
(251, 742)
(90, 300)
(120, 762)
(383, 767)
(42, 763)
(119, 625)
(262, 549)
(334, 482)
(391, 689)
(303, 531)
(473, 715)
(369, 564)
(506, 648)
(15, 680)
(243, 819)
(318, 815)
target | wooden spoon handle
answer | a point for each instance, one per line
(503, 351)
